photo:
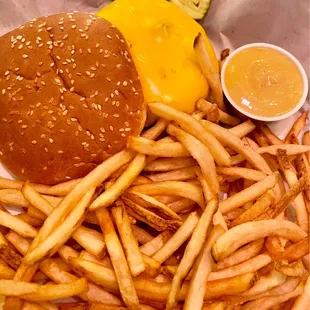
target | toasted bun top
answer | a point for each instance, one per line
(70, 96)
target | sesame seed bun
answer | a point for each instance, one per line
(70, 97)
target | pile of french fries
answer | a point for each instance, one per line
(201, 211)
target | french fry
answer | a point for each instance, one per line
(251, 265)
(55, 291)
(121, 184)
(201, 271)
(168, 164)
(20, 243)
(180, 236)
(151, 203)
(296, 251)
(9, 255)
(141, 235)
(157, 148)
(118, 259)
(251, 231)
(192, 250)
(297, 127)
(276, 209)
(260, 206)
(243, 129)
(32, 221)
(91, 240)
(149, 289)
(144, 215)
(265, 283)
(151, 247)
(291, 149)
(182, 174)
(16, 224)
(291, 177)
(65, 252)
(241, 255)
(249, 174)
(204, 106)
(59, 236)
(62, 189)
(302, 301)
(268, 302)
(5, 271)
(201, 153)
(295, 269)
(35, 199)
(16, 288)
(209, 72)
(270, 136)
(306, 141)
(192, 192)
(14, 197)
(35, 213)
(193, 127)
(130, 244)
(182, 205)
(32, 306)
(94, 292)
(249, 194)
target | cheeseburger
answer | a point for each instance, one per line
(70, 97)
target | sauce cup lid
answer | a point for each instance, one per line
(282, 51)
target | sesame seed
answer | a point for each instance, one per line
(20, 46)
(7, 73)
(24, 126)
(73, 26)
(108, 36)
(45, 168)
(125, 83)
(111, 128)
(25, 56)
(50, 140)
(34, 142)
(71, 89)
(43, 83)
(43, 136)
(89, 51)
(118, 65)
(82, 99)
(23, 171)
(60, 152)
(52, 64)
(3, 91)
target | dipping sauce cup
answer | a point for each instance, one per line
(264, 82)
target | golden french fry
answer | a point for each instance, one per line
(16, 224)
(141, 234)
(182, 205)
(243, 129)
(14, 197)
(204, 106)
(59, 236)
(251, 265)
(35, 213)
(296, 251)
(154, 148)
(291, 149)
(65, 252)
(152, 246)
(201, 271)
(35, 199)
(15, 184)
(209, 72)
(91, 240)
(306, 141)
(192, 192)
(168, 164)
(182, 174)
(302, 301)
(231, 140)
(130, 244)
(9, 255)
(259, 207)
(291, 178)
(180, 236)
(251, 231)
(268, 302)
(192, 250)
(297, 127)
(94, 292)
(246, 173)
(241, 255)
(6, 272)
(295, 269)
(270, 136)
(32, 221)
(32, 306)
(118, 259)
(149, 289)
(249, 194)
(62, 189)
(121, 184)
(151, 203)
(193, 127)
(201, 153)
